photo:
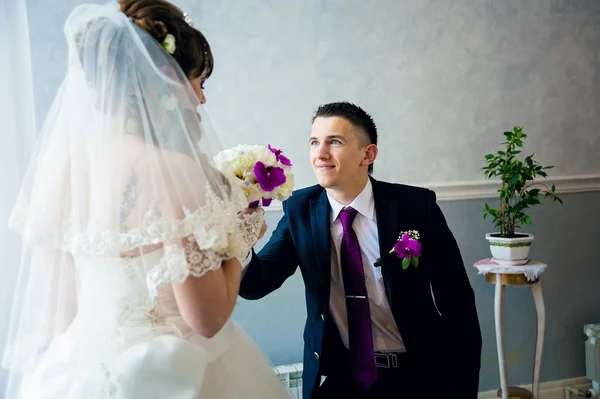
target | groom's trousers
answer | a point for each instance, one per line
(393, 382)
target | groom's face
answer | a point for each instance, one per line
(337, 152)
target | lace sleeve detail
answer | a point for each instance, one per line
(249, 228)
(188, 258)
(182, 260)
(200, 261)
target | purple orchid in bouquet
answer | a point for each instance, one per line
(268, 178)
(262, 173)
(408, 248)
(280, 157)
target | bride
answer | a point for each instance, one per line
(132, 240)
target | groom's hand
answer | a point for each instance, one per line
(249, 211)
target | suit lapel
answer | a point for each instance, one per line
(391, 220)
(386, 210)
(320, 223)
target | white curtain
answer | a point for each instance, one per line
(17, 136)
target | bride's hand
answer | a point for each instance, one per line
(263, 229)
(252, 223)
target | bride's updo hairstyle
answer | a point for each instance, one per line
(160, 18)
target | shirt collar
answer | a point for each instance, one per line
(363, 203)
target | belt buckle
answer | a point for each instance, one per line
(390, 360)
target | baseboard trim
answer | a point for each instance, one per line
(455, 191)
(548, 390)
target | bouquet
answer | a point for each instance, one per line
(262, 173)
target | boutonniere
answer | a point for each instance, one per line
(408, 248)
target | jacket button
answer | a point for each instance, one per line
(316, 356)
(323, 317)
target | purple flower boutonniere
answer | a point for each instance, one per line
(408, 248)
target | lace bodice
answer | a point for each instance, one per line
(121, 303)
(125, 300)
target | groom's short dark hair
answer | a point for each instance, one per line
(353, 114)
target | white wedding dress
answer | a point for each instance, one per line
(120, 345)
(122, 167)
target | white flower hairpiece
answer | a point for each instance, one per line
(169, 43)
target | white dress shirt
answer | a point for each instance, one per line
(386, 337)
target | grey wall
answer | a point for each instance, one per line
(443, 80)
(567, 238)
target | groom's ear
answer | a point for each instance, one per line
(371, 152)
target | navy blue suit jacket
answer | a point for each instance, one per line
(444, 337)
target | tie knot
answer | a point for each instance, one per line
(347, 216)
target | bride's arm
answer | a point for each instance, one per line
(206, 298)
(206, 302)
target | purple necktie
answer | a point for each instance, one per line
(362, 353)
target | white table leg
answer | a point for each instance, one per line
(540, 309)
(499, 318)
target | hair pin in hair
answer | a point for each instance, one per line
(187, 19)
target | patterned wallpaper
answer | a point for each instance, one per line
(443, 79)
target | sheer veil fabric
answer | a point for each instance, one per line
(123, 164)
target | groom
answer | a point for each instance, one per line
(374, 328)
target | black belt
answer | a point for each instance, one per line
(388, 360)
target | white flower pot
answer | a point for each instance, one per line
(510, 251)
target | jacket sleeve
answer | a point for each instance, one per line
(455, 300)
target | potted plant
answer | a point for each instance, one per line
(517, 194)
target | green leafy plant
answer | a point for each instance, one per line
(517, 193)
